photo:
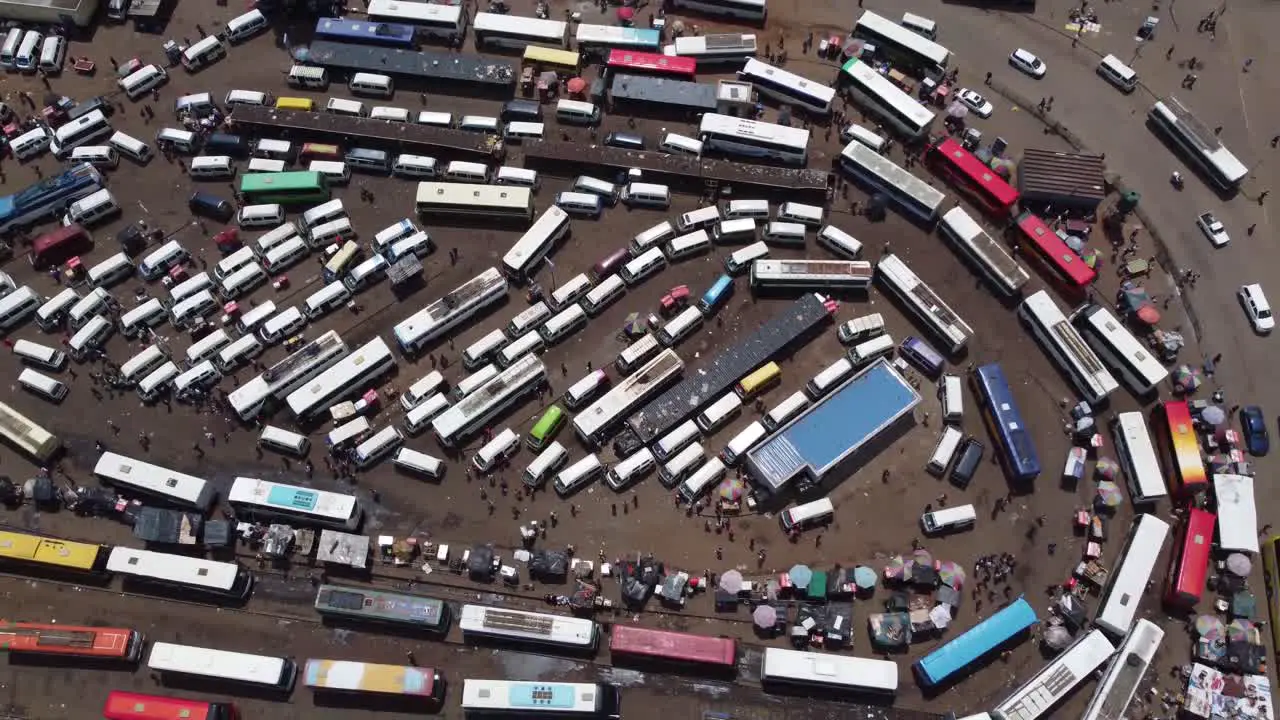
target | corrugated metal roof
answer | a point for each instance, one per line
(1061, 178)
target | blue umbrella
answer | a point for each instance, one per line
(800, 576)
(864, 577)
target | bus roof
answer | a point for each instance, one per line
(48, 551)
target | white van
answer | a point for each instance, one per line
(391, 114)
(191, 286)
(417, 244)
(642, 194)
(479, 123)
(242, 281)
(1117, 73)
(157, 381)
(680, 145)
(250, 321)
(472, 382)
(675, 440)
(206, 347)
(839, 242)
(823, 382)
(193, 308)
(200, 377)
(527, 319)
(414, 166)
(785, 233)
(951, 393)
(624, 474)
(856, 133)
(243, 27)
(9, 51)
(323, 213)
(141, 365)
(333, 232)
(521, 130)
(571, 291)
(366, 273)
(577, 112)
(517, 176)
(211, 167)
(363, 83)
(944, 451)
(741, 259)
(740, 230)
(810, 215)
(417, 418)
(141, 81)
(742, 442)
(40, 384)
(551, 459)
(234, 261)
(281, 325)
(343, 106)
(701, 480)
(182, 140)
(754, 209)
(607, 191)
(434, 119)
(111, 271)
(680, 326)
(31, 143)
(585, 389)
(391, 234)
(468, 172)
(274, 238)
(93, 303)
(283, 440)
(285, 255)
(642, 266)
(27, 56)
(258, 216)
(861, 328)
(53, 313)
(158, 261)
(679, 465)
(781, 413)
(53, 53)
(703, 217)
(246, 97)
(946, 520)
(423, 388)
(368, 159)
(102, 157)
(90, 209)
(580, 203)
(41, 355)
(239, 352)
(563, 324)
(149, 314)
(90, 337)
(273, 149)
(651, 238)
(307, 76)
(920, 25)
(719, 412)
(866, 351)
(482, 351)
(203, 53)
(602, 295)
(694, 243)
(496, 451)
(17, 305)
(419, 463)
(637, 353)
(377, 446)
(325, 300)
(810, 514)
(349, 432)
(578, 475)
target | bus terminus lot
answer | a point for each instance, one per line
(135, 477)
(519, 626)
(455, 308)
(360, 678)
(922, 302)
(905, 47)
(1120, 682)
(1119, 349)
(963, 652)
(1000, 413)
(253, 498)
(885, 101)
(501, 202)
(285, 188)
(48, 197)
(261, 671)
(71, 642)
(1202, 147)
(811, 275)
(825, 671)
(517, 31)
(1128, 582)
(983, 252)
(24, 435)
(595, 422)
(787, 87)
(920, 200)
(1057, 337)
(25, 552)
(525, 256)
(532, 700)
(752, 138)
(1055, 681)
(474, 412)
(287, 375)
(349, 376)
(381, 607)
(181, 573)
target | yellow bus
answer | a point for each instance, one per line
(552, 59)
(295, 103)
(758, 380)
(1271, 564)
(51, 554)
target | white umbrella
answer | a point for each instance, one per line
(941, 616)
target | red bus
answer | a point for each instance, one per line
(640, 643)
(645, 63)
(972, 177)
(1189, 561)
(1176, 438)
(133, 706)
(94, 643)
(58, 246)
(1066, 270)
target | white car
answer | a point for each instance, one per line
(1256, 307)
(975, 102)
(1212, 229)
(1028, 63)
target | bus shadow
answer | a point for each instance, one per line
(377, 703)
(140, 587)
(67, 662)
(206, 686)
(674, 667)
(399, 631)
(527, 647)
(828, 694)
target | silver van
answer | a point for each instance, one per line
(606, 190)
(308, 76)
(517, 176)
(211, 167)
(40, 355)
(363, 83)
(99, 156)
(580, 203)
(414, 166)
(640, 194)
(40, 384)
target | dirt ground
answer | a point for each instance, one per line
(874, 519)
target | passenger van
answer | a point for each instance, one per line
(343, 106)
(258, 216)
(418, 463)
(653, 237)
(680, 465)
(420, 390)
(740, 261)
(680, 326)
(740, 209)
(307, 76)
(111, 271)
(347, 434)
(53, 313)
(604, 294)
(607, 191)
(795, 212)
(366, 273)
(967, 463)
(282, 440)
(40, 384)
(193, 308)
(516, 176)
(102, 157)
(397, 231)
(861, 328)
(675, 440)
(434, 119)
(481, 352)
(578, 475)
(281, 325)
(624, 474)
(694, 243)
(242, 281)
(141, 365)
(579, 203)
(9, 52)
(944, 451)
(563, 324)
(577, 112)
(148, 315)
(719, 412)
(27, 56)
(31, 143)
(810, 514)
(142, 81)
(416, 419)
(297, 103)
(866, 351)
(468, 172)
(785, 233)
(948, 520)
(333, 232)
(922, 355)
(741, 230)
(497, 451)
(547, 427)
(832, 375)
(521, 110)
(323, 213)
(641, 194)
(207, 346)
(610, 264)
(781, 413)
(180, 140)
(680, 145)
(474, 381)
(624, 140)
(952, 396)
(190, 286)
(704, 217)
(363, 83)
(325, 300)
(157, 382)
(203, 53)
(367, 159)
(582, 391)
(243, 27)
(528, 319)
(518, 131)
(920, 25)
(643, 266)
(199, 378)
(418, 245)
(211, 167)
(479, 123)
(53, 53)
(246, 97)
(93, 303)
(702, 480)
(91, 209)
(90, 337)
(1117, 73)
(391, 114)
(742, 442)
(856, 133)
(285, 255)
(839, 242)
(571, 291)
(220, 143)
(637, 354)
(40, 355)
(414, 166)
(234, 261)
(239, 352)
(274, 238)
(378, 446)
(250, 321)
(548, 461)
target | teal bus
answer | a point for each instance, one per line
(285, 188)
(383, 607)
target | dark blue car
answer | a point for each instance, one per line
(1254, 425)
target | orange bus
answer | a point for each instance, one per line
(1176, 438)
(94, 643)
(134, 706)
(1189, 561)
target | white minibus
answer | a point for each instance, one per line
(343, 106)
(680, 145)
(158, 261)
(325, 300)
(90, 337)
(571, 291)
(740, 230)
(951, 394)
(642, 266)
(562, 324)
(642, 194)
(10, 49)
(521, 130)
(872, 140)
(528, 319)
(141, 81)
(366, 273)
(234, 261)
(754, 209)
(839, 242)
(378, 446)
(742, 442)
(799, 517)
(607, 191)
(157, 381)
(419, 463)
(415, 421)
(577, 111)
(239, 352)
(681, 464)
(497, 451)
(335, 172)
(94, 302)
(602, 295)
(402, 229)
(637, 353)
(257, 216)
(944, 451)
(53, 53)
(680, 326)
(823, 382)
(249, 322)
(203, 53)
(479, 123)
(624, 474)
(1117, 73)
(580, 203)
(703, 217)
(472, 382)
(694, 243)
(53, 313)
(651, 238)
(211, 167)
(391, 114)
(283, 440)
(207, 346)
(111, 271)
(785, 410)
(414, 166)
(246, 97)
(434, 118)
(702, 480)
(868, 350)
(585, 389)
(31, 143)
(40, 384)
(481, 352)
(102, 157)
(41, 355)
(285, 255)
(308, 76)
(371, 84)
(949, 519)
(243, 27)
(281, 325)
(323, 213)
(181, 140)
(517, 176)
(741, 259)
(785, 233)
(193, 308)
(200, 377)
(551, 459)
(267, 165)
(423, 388)
(810, 215)
(719, 412)
(466, 172)
(140, 365)
(578, 475)
(190, 286)
(28, 51)
(242, 281)
(675, 440)
(530, 342)
(149, 314)
(88, 210)
(271, 239)
(342, 436)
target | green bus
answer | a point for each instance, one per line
(285, 188)
(545, 430)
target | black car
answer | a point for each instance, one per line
(967, 462)
(1254, 425)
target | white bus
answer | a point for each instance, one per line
(1128, 583)
(1120, 683)
(351, 375)
(747, 9)
(1055, 681)
(26, 436)
(1064, 345)
(135, 476)
(809, 275)
(475, 411)
(885, 101)
(455, 308)
(1138, 458)
(181, 572)
(724, 47)
(1205, 150)
(827, 671)
(1119, 349)
(482, 621)
(436, 20)
(498, 201)
(787, 87)
(254, 498)
(612, 408)
(511, 698)
(752, 138)
(276, 673)
(995, 264)
(905, 47)
(282, 378)
(525, 256)
(517, 31)
(604, 37)
(918, 198)
(941, 321)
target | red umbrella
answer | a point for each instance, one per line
(625, 14)
(1149, 315)
(577, 85)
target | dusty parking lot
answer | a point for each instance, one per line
(874, 518)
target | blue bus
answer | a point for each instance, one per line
(48, 198)
(365, 33)
(1000, 412)
(977, 642)
(715, 296)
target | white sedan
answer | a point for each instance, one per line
(1256, 307)
(975, 102)
(1213, 229)
(1028, 63)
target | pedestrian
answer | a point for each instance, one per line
(1275, 140)
(1191, 81)
(988, 81)
(1217, 130)
(413, 660)
(1249, 232)
(1217, 358)
(1168, 55)
(1247, 63)
(1262, 196)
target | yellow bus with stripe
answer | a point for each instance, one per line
(758, 380)
(27, 551)
(552, 59)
